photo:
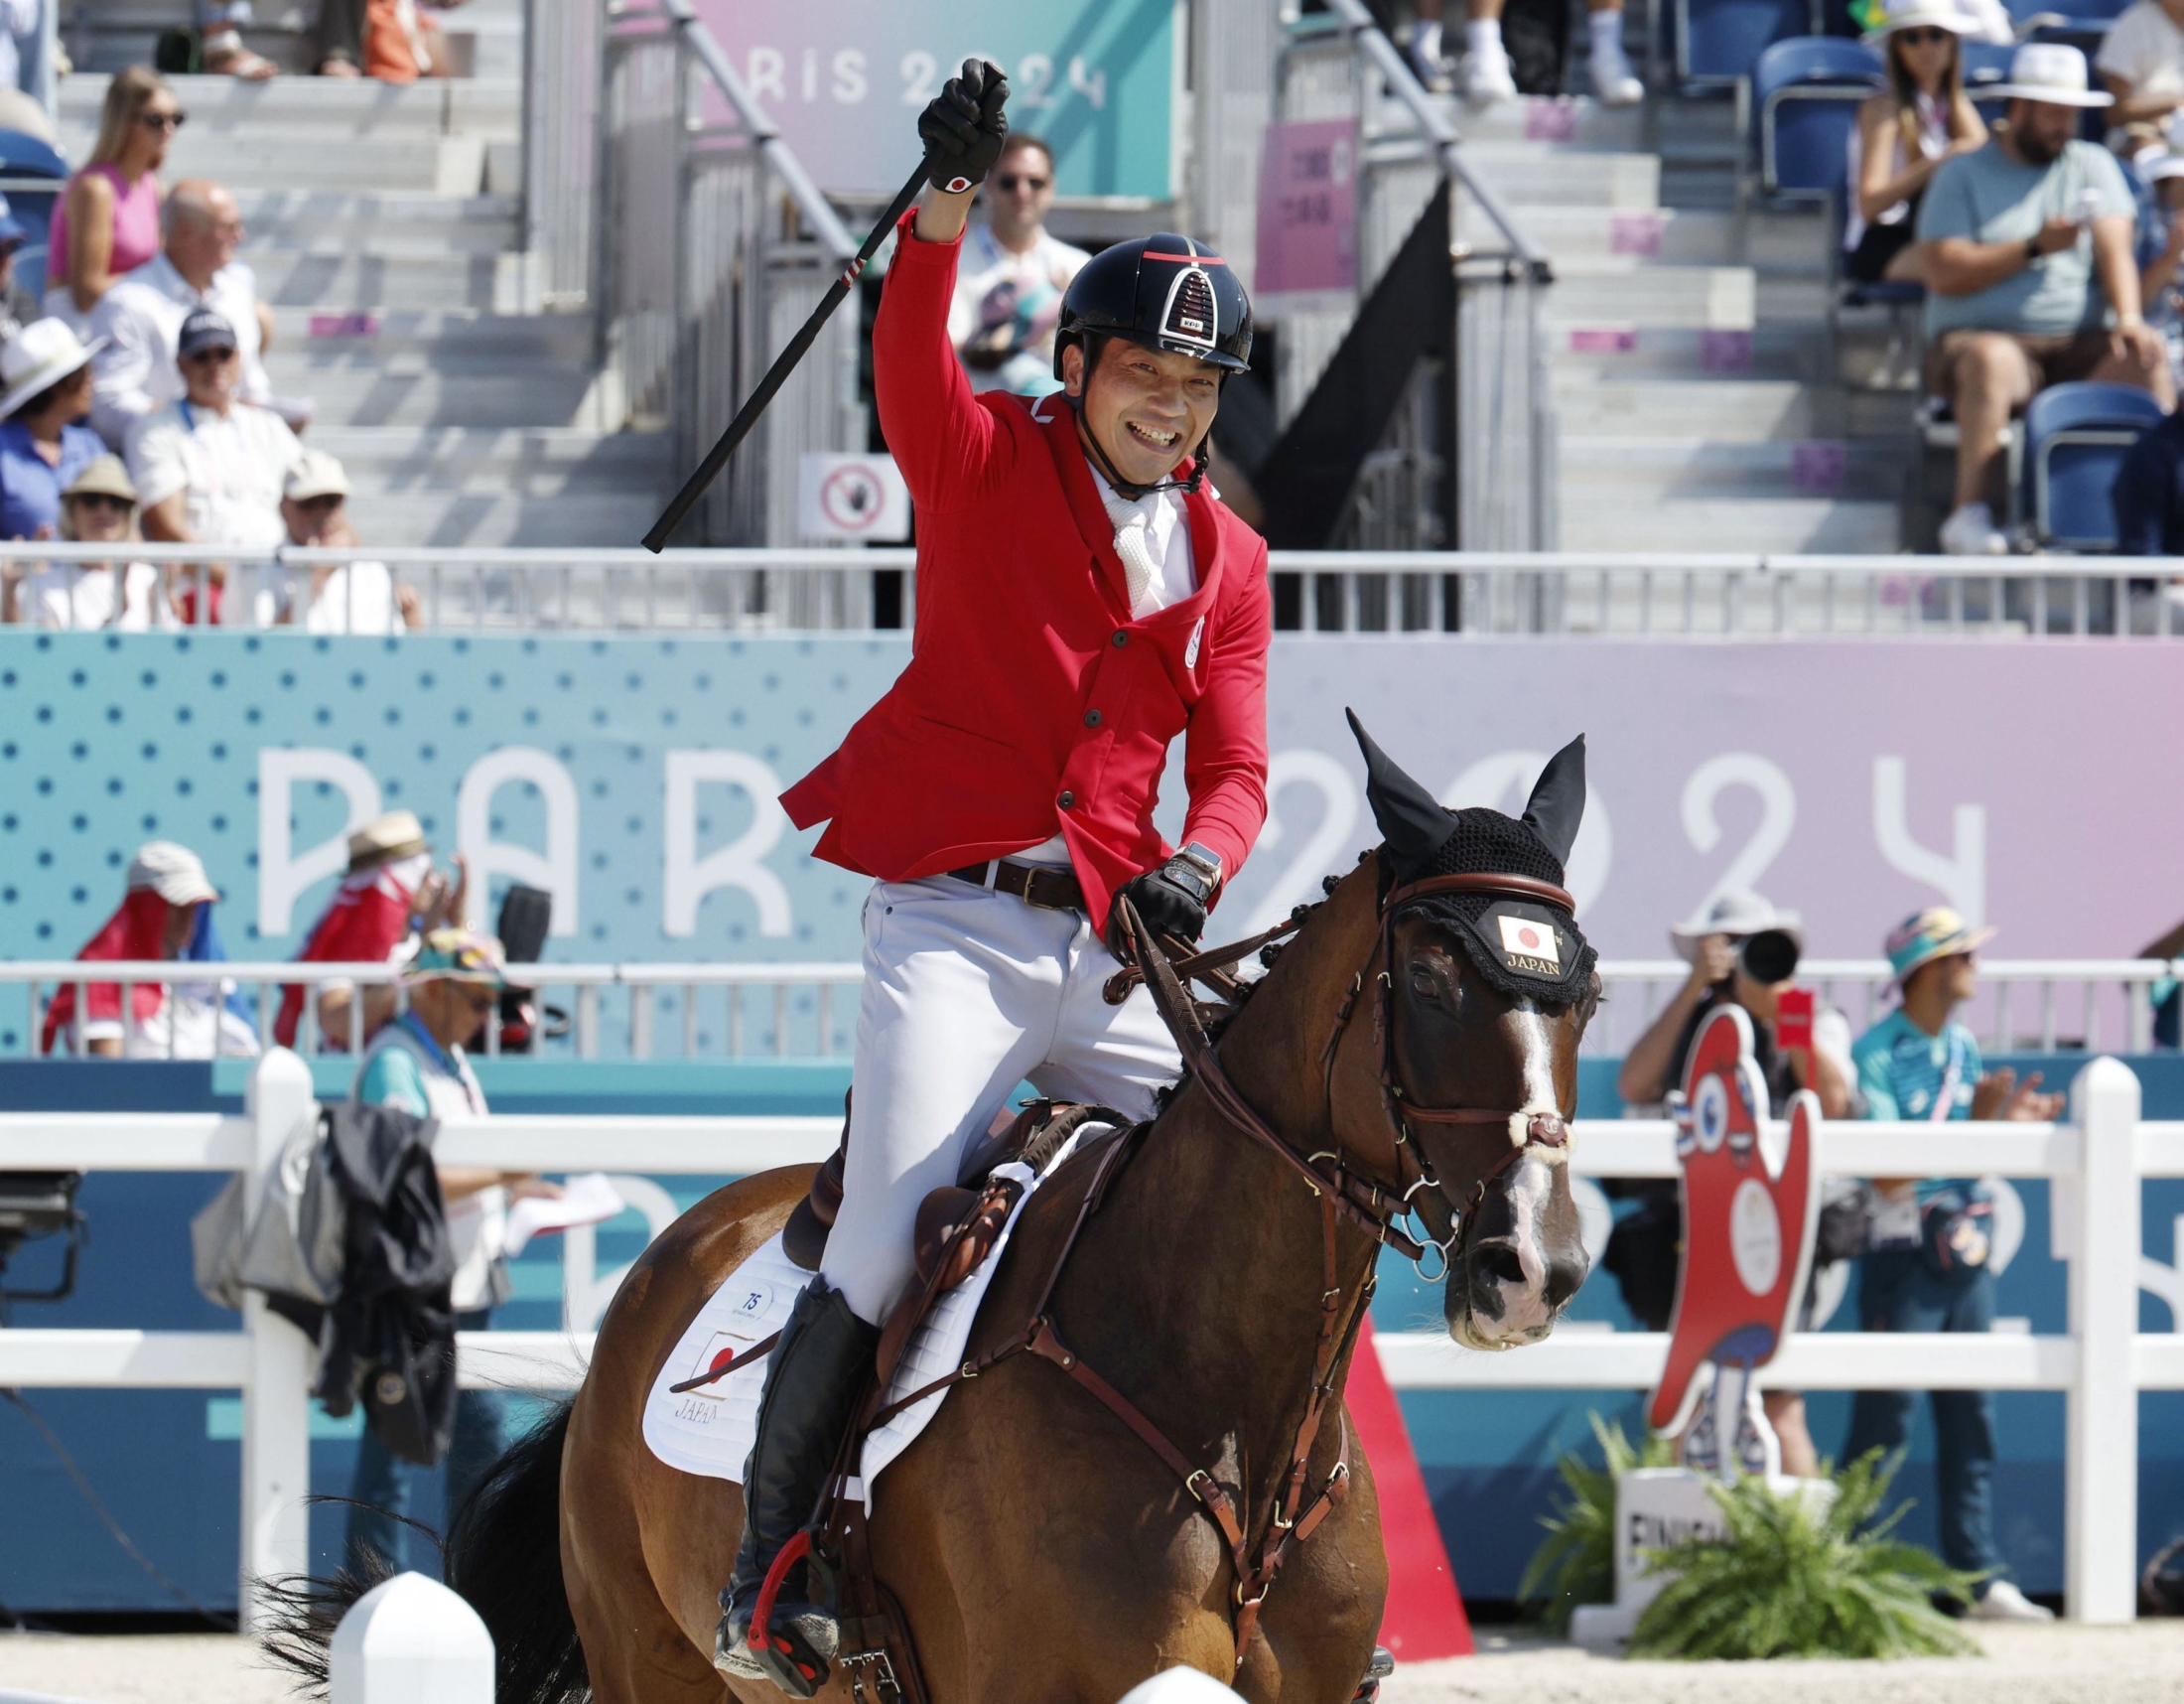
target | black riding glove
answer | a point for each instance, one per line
(1171, 901)
(964, 127)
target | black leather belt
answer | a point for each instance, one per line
(1034, 884)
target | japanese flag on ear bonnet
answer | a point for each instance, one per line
(1525, 948)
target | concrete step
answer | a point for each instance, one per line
(441, 165)
(486, 516)
(414, 391)
(1650, 470)
(331, 220)
(317, 109)
(1542, 174)
(1678, 235)
(344, 280)
(366, 339)
(1571, 121)
(1723, 410)
(1611, 350)
(1810, 526)
(1620, 291)
(546, 458)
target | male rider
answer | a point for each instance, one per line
(1082, 598)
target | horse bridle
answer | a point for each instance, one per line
(1365, 1200)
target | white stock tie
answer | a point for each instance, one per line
(1134, 544)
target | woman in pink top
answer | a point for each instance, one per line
(106, 224)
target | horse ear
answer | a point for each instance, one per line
(1411, 819)
(1558, 801)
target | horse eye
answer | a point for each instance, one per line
(1422, 983)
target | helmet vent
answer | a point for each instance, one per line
(1192, 317)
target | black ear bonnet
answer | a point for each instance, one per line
(1525, 949)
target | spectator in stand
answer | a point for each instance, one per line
(390, 894)
(357, 597)
(19, 21)
(2161, 250)
(2028, 247)
(2142, 59)
(1487, 73)
(1926, 1268)
(163, 916)
(48, 375)
(18, 307)
(1011, 279)
(127, 597)
(209, 468)
(1903, 133)
(416, 1062)
(142, 316)
(106, 222)
(1742, 953)
(392, 39)
(220, 41)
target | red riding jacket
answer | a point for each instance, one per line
(1034, 701)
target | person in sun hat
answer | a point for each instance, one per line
(162, 916)
(1904, 133)
(2141, 63)
(2030, 275)
(99, 508)
(45, 392)
(417, 1061)
(357, 597)
(390, 895)
(1926, 1268)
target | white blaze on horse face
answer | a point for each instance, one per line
(1526, 1315)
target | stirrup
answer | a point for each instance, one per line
(792, 1645)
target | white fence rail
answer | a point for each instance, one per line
(2096, 1160)
(1557, 594)
(810, 1011)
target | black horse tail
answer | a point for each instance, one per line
(503, 1554)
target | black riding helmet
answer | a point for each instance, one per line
(1165, 292)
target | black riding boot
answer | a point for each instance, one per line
(813, 1378)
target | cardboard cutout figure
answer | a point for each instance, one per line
(1749, 1204)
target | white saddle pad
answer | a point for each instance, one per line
(709, 1431)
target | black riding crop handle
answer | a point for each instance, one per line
(777, 375)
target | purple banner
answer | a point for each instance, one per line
(2024, 784)
(1308, 208)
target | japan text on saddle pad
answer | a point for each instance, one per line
(708, 1431)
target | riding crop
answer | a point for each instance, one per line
(777, 375)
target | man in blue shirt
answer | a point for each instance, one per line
(2031, 277)
(1925, 1269)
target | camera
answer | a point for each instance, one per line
(34, 1206)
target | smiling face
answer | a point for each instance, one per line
(1461, 1043)
(1146, 410)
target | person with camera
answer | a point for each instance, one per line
(1926, 1265)
(1741, 952)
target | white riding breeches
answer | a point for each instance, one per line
(968, 993)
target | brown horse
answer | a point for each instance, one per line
(1039, 1549)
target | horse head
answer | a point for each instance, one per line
(1486, 992)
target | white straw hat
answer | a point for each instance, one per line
(1736, 914)
(2053, 73)
(1922, 15)
(38, 357)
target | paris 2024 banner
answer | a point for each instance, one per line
(2028, 785)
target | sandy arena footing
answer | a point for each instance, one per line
(2062, 1664)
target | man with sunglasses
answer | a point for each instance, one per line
(142, 316)
(210, 466)
(416, 1062)
(1012, 276)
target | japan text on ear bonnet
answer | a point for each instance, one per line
(1526, 948)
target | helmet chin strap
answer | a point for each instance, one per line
(1126, 488)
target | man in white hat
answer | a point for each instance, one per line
(2031, 277)
(354, 597)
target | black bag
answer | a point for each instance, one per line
(1536, 35)
(1956, 1234)
(1645, 1251)
(1843, 1230)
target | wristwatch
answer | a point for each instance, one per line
(1206, 862)
(2032, 249)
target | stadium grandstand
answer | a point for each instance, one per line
(1654, 514)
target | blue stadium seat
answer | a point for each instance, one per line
(1985, 63)
(1721, 40)
(2075, 439)
(23, 158)
(1806, 94)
